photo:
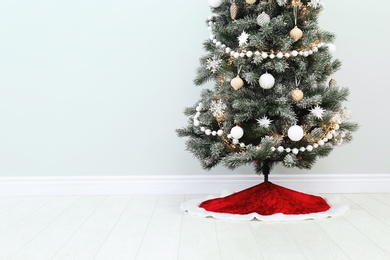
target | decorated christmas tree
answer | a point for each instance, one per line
(274, 99)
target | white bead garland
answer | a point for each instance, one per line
(309, 148)
(207, 131)
(262, 54)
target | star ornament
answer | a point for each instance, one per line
(318, 112)
(264, 122)
(243, 38)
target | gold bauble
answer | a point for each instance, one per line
(297, 95)
(237, 83)
(296, 3)
(251, 2)
(296, 34)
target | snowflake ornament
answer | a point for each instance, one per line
(316, 4)
(264, 122)
(217, 107)
(318, 112)
(213, 63)
(281, 2)
(243, 38)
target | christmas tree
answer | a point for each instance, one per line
(274, 99)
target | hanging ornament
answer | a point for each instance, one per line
(251, 2)
(331, 48)
(234, 11)
(237, 132)
(296, 34)
(267, 81)
(316, 4)
(264, 122)
(237, 83)
(281, 2)
(263, 19)
(213, 63)
(215, 3)
(295, 133)
(317, 111)
(243, 39)
(297, 95)
(332, 83)
(218, 108)
(296, 3)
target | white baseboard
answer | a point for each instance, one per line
(195, 184)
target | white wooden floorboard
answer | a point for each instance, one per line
(7, 203)
(198, 237)
(370, 204)
(275, 242)
(313, 242)
(237, 239)
(21, 233)
(162, 237)
(351, 240)
(148, 227)
(52, 238)
(21, 211)
(369, 225)
(88, 239)
(127, 234)
(382, 197)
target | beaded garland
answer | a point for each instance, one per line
(259, 53)
(331, 133)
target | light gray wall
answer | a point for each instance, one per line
(98, 87)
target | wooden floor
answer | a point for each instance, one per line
(153, 228)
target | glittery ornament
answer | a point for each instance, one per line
(263, 19)
(234, 11)
(281, 2)
(297, 95)
(267, 81)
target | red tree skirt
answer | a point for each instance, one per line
(266, 201)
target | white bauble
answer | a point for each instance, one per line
(267, 81)
(237, 132)
(219, 132)
(331, 48)
(295, 151)
(309, 148)
(295, 133)
(215, 3)
(263, 19)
